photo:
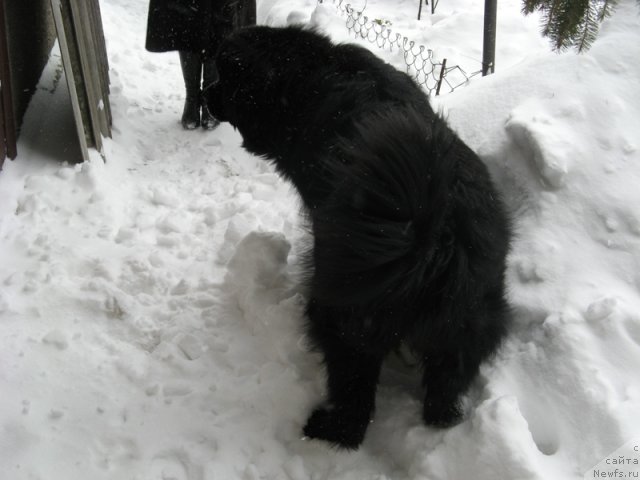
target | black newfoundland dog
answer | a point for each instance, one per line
(410, 236)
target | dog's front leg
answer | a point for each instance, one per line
(352, 380)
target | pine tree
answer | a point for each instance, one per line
(570, 23)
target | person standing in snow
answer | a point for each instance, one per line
(195, 28)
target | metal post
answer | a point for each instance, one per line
(489, 40)
(442, 70)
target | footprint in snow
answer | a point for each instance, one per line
(600, 309)
(175, 465)
(545, 140)
(114, 452)
(632, 327)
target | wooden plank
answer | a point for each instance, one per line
(94, 64)
(103, 61)
(88, 69)
(8, 131)
(74, 73)
(3, 143)
(58, 17)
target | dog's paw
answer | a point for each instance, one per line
(442, 415)
(340, 428)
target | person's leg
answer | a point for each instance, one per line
(209, 77)
(191, 64)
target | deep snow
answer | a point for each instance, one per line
(150, 319)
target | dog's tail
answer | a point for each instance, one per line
(381, 232)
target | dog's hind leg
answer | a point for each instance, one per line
(351, 384)
(446, 376)
(451, 367)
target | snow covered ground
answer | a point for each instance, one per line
(150, 319)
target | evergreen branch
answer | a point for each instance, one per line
(571, 23)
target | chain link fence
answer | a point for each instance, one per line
(435, 76)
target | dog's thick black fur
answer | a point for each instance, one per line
(410, 236)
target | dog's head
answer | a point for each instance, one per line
(257, 66)
(242, 69)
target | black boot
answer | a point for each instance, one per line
(191, 64)
(210, 76)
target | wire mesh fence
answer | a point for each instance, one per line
(434, 75)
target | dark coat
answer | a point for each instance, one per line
(195, 25)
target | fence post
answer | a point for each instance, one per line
(442, 70)
(489, 40)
